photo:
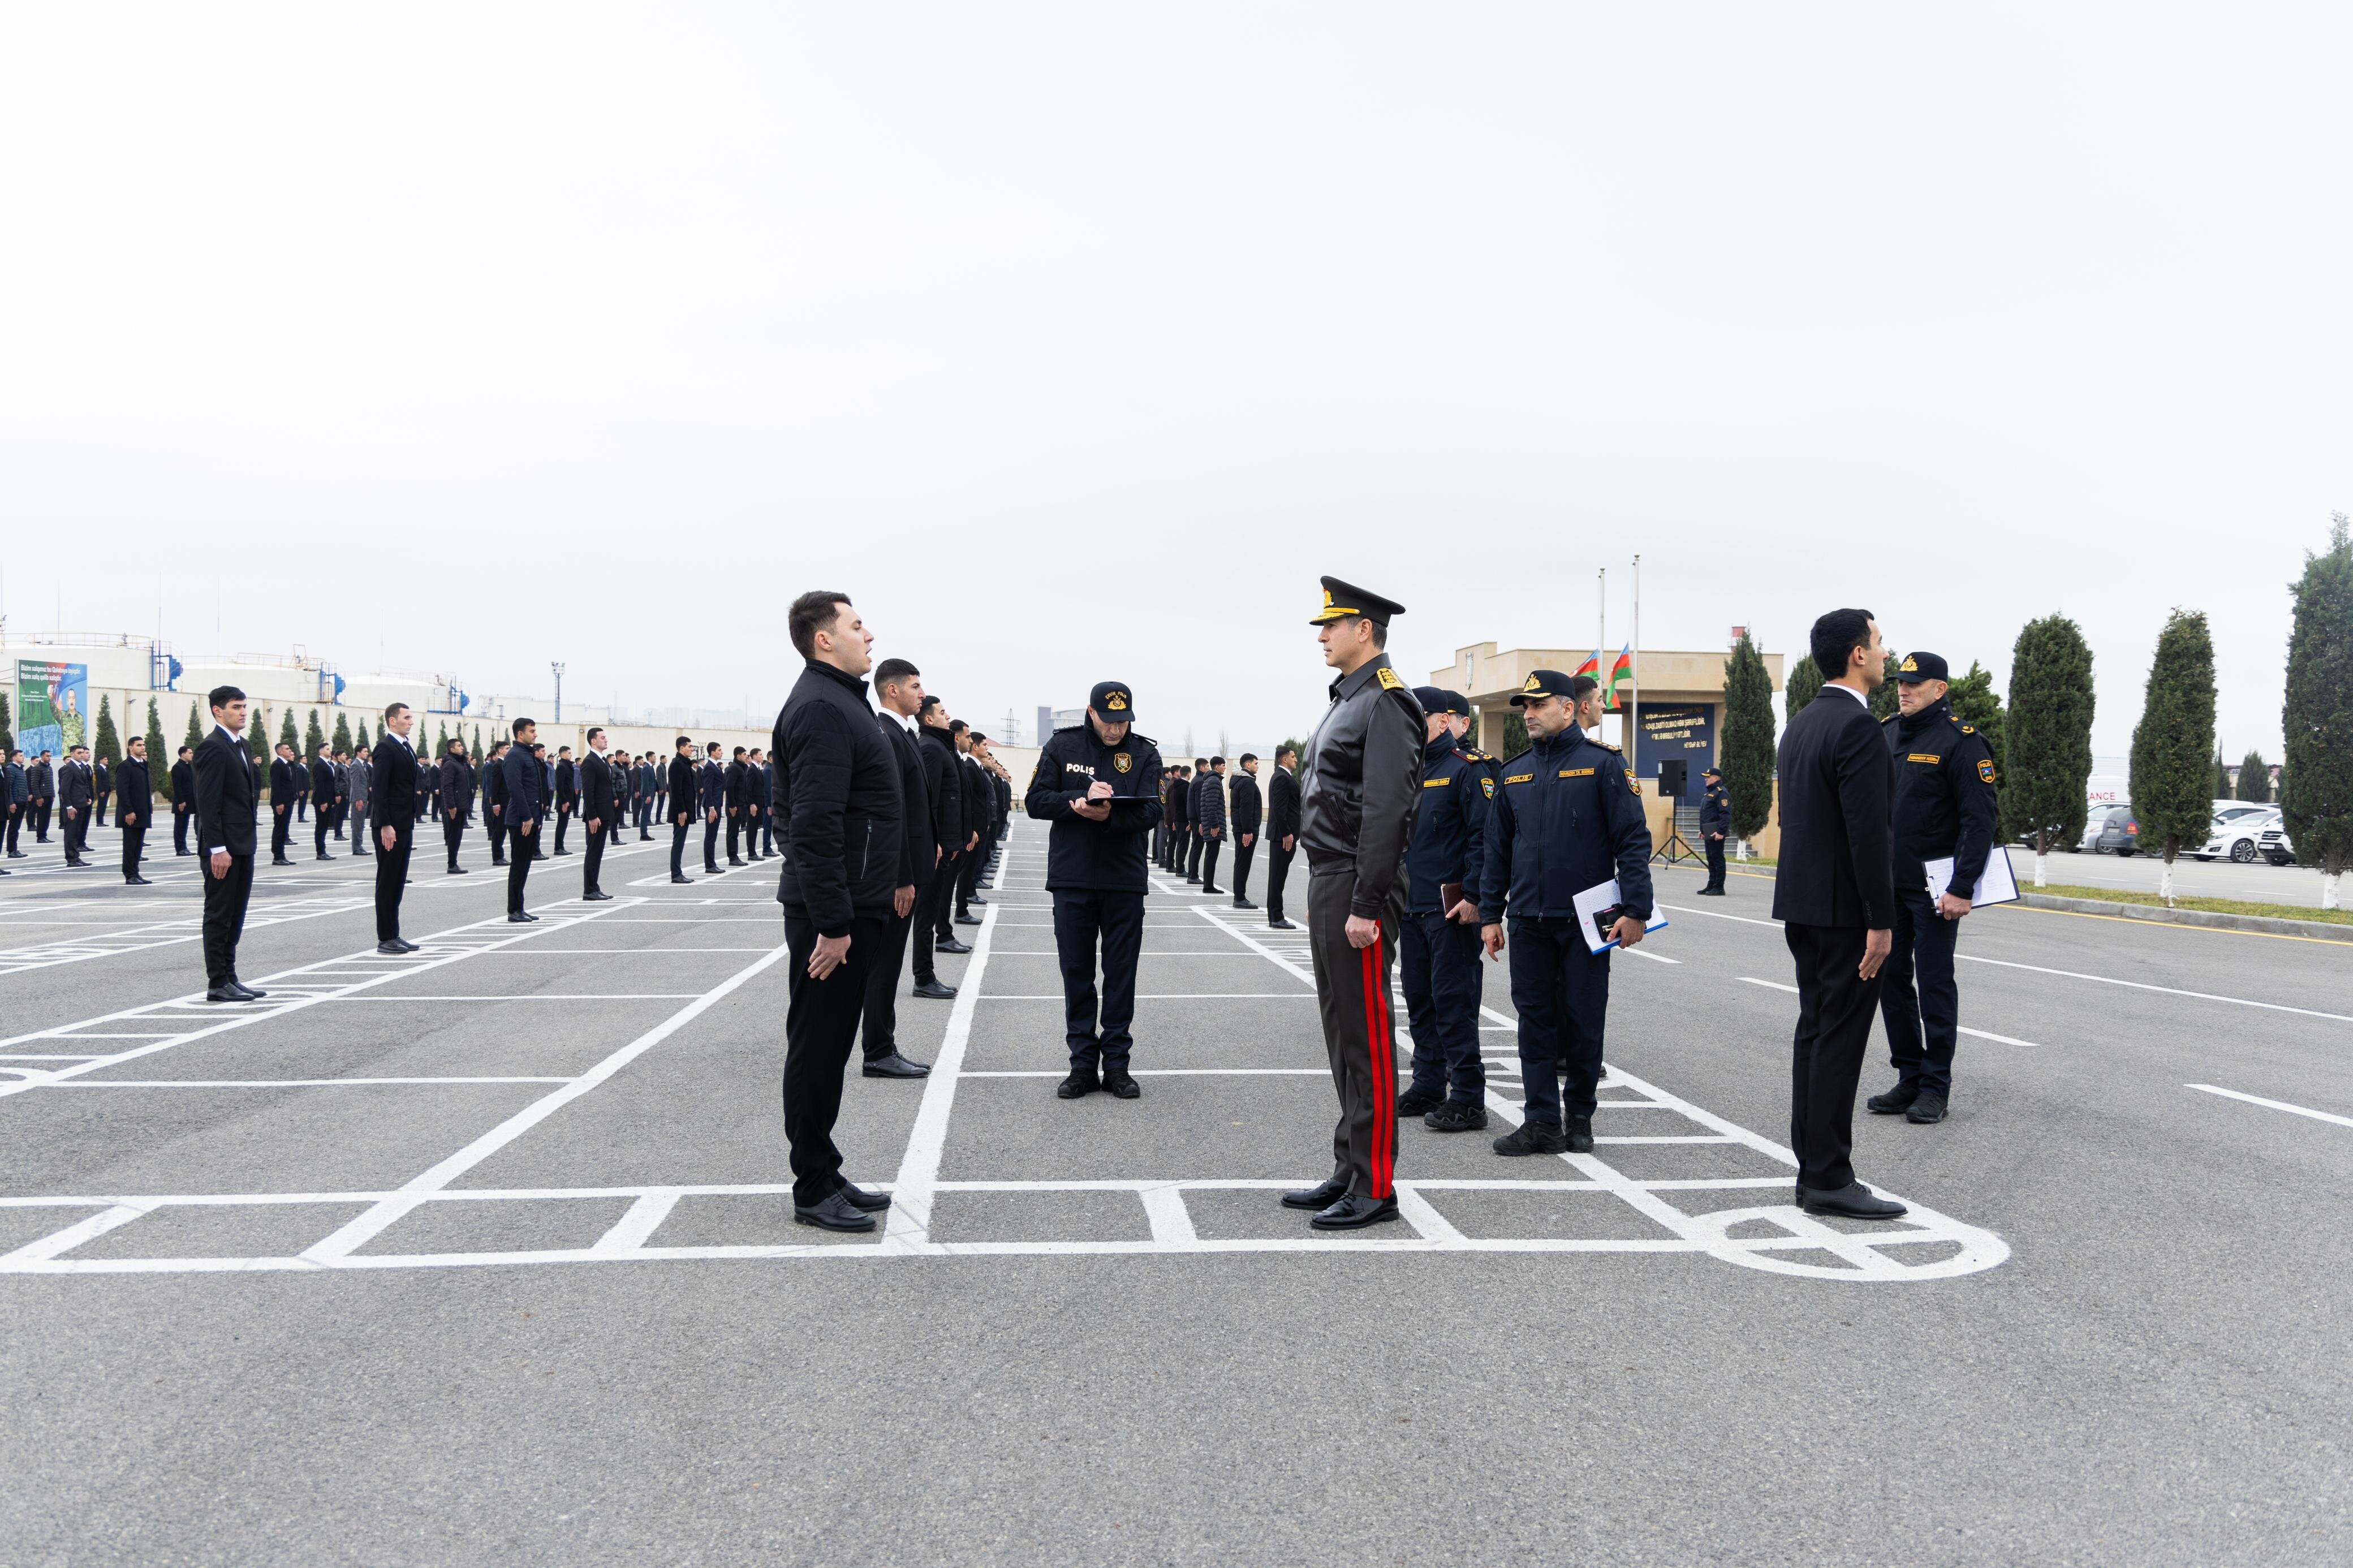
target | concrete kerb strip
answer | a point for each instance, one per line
(2272, 925)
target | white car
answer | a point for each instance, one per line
(2238, 836)
(2274, 846)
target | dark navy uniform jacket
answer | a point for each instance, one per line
(1104, 857)
(1449, 843)
(1566, 817)
(1946, 802)
(519, 797)
(1716, 810)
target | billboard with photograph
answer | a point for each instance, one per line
(52, 707)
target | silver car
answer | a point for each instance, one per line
(2237, 838)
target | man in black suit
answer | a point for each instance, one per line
(323, 791)
(1246, 817)
(899, 685)
(41, 779)
(836, 787)
(494, 793)
(599, 804)
(392, 786)
(134, 792)
(286, 781)
(184, 799)
(712, 786)
(104, 785)
(681, 808)
(567, 794)
(522, 804)
(456, 794)
(16, 800)
(944, 777)
(735, 808)
(1834, 893)
(1281, 831)
(645, 778)
(76, 790)
(224, 788)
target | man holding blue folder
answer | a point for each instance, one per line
(1566, 817)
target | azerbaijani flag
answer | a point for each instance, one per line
(1621, 673)
(1591, 666)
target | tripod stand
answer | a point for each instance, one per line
(1676, 850)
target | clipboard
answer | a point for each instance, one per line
(1998, 885)
(1594, 900)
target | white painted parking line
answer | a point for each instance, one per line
(1164, 1072)
(281, 1082)
(2328, 1116)
(1160, 996)
(2164, 990)
(1974, 1034)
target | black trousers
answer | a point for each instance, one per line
(359, 821)
(322, 821)
(1193, 842)
(711, 845)
(40, 810)
(453, 831)
(1243, 853)
(77, 833)
(180, 820)
(1278, 871)
(498, 832)
(767, 833)
(518, 868)
(734, 835)
(881, 1036)
(1834, 1008)
(133, 841)
(598, 838)
(391, 878)
(1560, 988)
(1715, 861)
(1438, 966)
(225, 901)
(820, 1027)
(1081, 916)
(678, 848)
(1210, 861)
(944, 878)
(17, 822)
(1918, 1000)
(563, 821)
(967, 880)
(98, 810)
(1352, 996)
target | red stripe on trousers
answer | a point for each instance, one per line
(1384, 1158)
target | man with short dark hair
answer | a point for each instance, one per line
(76, 790)
(898, 687)
(680, 807)
(600, 807)
(456, 792)
(712, 794)
(322, 800)
(567, 793)
(735, 787)
(943, 786)
(1247, 816)
(1281, 832)
(225, 798)
(1210, 821)
(1180, 824)
(134, 799)
(183, 800)
(17, 798)
(359, 786)
(838, 787)
(494, 794)
(522, 804)
(392, 789)
(41, 780)
(102, 786)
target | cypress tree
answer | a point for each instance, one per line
(2255, 777)
(8, 734)
(478, 742)
(342, 732)
(2221, 774)
(313, 737)
(2172, 784)
(1884, 697)
(159, 761)
(290, 736)
(195, 735)
(1976, 702)
(1798, 691)
(1748, 749)
(109, 745)
(2048, 737)
(2316, 773)
(441, 739)
(360, 740)
(1516, 736)
(257, 732)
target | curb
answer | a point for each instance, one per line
(2323, 930)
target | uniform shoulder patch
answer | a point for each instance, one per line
(1390, 680)
(1605, 745)
(1985, 769)
(1487, 785)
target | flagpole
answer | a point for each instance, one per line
(1601, 634)
(1634, 671)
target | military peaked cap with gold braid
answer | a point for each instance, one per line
(1342, 600)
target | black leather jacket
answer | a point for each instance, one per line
(1361, 784)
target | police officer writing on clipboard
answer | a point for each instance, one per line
(1945, 807)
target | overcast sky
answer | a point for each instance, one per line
(1076, 341)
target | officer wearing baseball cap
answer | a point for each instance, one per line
(1438, 945)
(1944, 806)
(1566, 817)
(1097, 783)
(1714, 823)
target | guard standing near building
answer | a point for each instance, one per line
(1945, 808)
(1438, 945)
(392, 786)
(184, 799)
(1362, 788)
(225, 800)
(1281, 832)
(1097, 783)
(134, 798)
(1715, 826)
(1566, 817)
(520, 806)
(1246, 824)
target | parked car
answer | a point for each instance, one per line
(2232, 810)
(2274, 846)
(2238, 837)
(2112, 831)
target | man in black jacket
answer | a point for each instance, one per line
(900, 687)
(1714, 825)
(184, 799)
(681, 808)
(135, 796)
(522, 804)
(567, 797)
(323, 791)
(1180, 835)
(1245, 825)
(494, 796)
(598, 805)
(392, 793)
(839, 801)
(943, 777)
(225, 790)
(712, 786)
(456, 794)
(1364, 787)
(1210, 821)
(76, 790)
(286, 782)
(102, 786)
(1834, 894)
(979, 806)
(735, 787)
(41, 780)
(1281, 832)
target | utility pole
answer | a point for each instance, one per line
(558, 668)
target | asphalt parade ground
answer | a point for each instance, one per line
(486, 1254)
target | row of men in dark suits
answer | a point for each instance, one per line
(1198, 815)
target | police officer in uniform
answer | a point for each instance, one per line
(1097, 783)
(1567, 816)
(1945, 807)
(1438, 945)
(1714, 825)
(1362, 788)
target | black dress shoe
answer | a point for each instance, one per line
(1120, 1084)
(1194, 880)
(1418, 1103)
(1205, 889)
(137, 882)
(860, 1199)
(1281, 925)
(967, 920)
(681, 881)
(894, 1066)
(1579, 1135)
(392, 949)
(951, 945)
(715, 870)
(563, 852)
(1244, 904)
(407, 945)
(1320, 1197)
(322, 856)
(1355, 1212)
(1532, 1138)
(519, 918)
(1898, 1098)
(976, 899)
(933, 990)
(456, 871)
(1854, 1200)
(1456, 1116)
(1080, 1083)
(245, 993)
(227, 994)
(836, 1212)
(599, 896)
(1927, 1110)
(738, 865)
